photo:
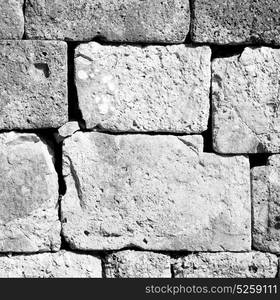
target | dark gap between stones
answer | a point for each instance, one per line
(23, 11)
(103, 267)
(56, 150)
(104, 42)
(208, 135)
(61, 187)
(74, 111)
(189, 37)
(64, 245)
(39, 131)
(188, 40)
(172, 270)
(278, 273)
(99, 129)
(207, 138)
(219, 51)
(257, 160)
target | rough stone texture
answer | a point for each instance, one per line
(66, 130)
(28, 195)
(246, 95)
(51, 265)
(165, 21)
(228, 265)
(33, 84)
(135, 264)
(11, 19)
(266, 206)
(236, 22)
(155, 88)
(153, 192)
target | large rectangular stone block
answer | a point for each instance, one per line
(11, 19)
(28, 195)
(62, 264)
(266, 206)
(165, 21)
(226, 265)
(33, 84)
(137, 264)
(154, 88)
(153, 192)
(245, 96)
(236, 22)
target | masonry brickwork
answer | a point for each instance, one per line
(139, 138)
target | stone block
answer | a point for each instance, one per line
(137, 264)
(153, 192)
(28, 195)
(33, 84)
(226, 265)
(154, 88)
(11, 19)
(245, 97)
(227, 22)
(145, 21)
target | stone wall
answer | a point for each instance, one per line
(139, 138)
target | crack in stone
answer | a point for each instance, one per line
(77, 182)
(190, 145)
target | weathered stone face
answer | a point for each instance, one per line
(136, 264)
(266, 206)
(245, 95)
(236, 22)
(164, 21)
(28, 195)
(155, 88)
(153, 192)
(11, 19)
(33, 84)
(226, 264)
(51, 265)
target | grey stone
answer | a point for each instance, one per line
(245, 96)
(66, 130)
(165, 21)
(33, 84)
(136, 264)
(154, 88)
(226, 265)
(11, 19)
(266, 206)
(236, 22)
(28, 195)
(153, 192)
(51, 265)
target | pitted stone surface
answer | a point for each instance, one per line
(153, 192)
(266, 206)
(51, 265)
(246, 95)
(28, 195)
(165, 21)
(225, 264)
(154, 88)
(136, 264)
(236, 22)
(33, 84)
(11, 19)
